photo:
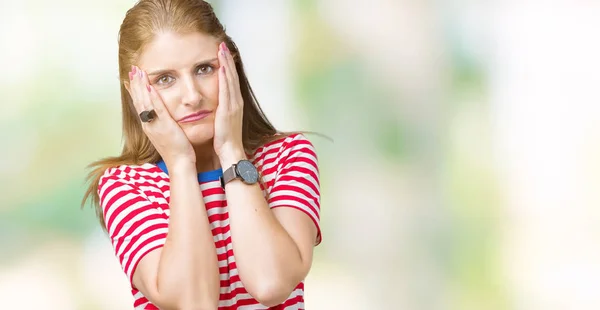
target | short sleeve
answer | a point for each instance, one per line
(135, 225)
(297, 183)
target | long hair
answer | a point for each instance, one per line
(142, 22)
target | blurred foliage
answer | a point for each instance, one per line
(337, 92)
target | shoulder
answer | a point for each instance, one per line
(284, 147)
(131, 175)
(127, 192)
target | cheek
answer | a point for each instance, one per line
(214, 87)
(211, 89)
(169, 98)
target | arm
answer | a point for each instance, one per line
(180, 269)
(182, 274)
(273, 247)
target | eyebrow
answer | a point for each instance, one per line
(162, 71)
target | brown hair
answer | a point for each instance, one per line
(145, 19)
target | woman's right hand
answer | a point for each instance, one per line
(165, 134)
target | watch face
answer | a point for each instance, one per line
(247, 171)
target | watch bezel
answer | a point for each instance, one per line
(246, 164)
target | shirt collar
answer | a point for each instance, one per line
(206, 176)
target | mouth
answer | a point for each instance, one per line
(194, 117)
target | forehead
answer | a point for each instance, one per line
(174, 50)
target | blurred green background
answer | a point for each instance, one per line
(463, 174)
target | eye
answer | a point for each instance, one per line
(205, 69)
(165, 79)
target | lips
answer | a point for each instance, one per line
(195, 116)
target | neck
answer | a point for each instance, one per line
(206, 158)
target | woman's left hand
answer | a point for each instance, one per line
(229, 115)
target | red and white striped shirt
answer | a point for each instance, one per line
(135, 204)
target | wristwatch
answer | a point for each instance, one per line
(243, 170)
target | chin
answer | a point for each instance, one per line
(200, 135)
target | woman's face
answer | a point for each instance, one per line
(184, 71)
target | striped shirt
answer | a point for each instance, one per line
(135, 204)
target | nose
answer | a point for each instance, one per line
(190, 92)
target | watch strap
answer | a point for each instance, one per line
(229, 175)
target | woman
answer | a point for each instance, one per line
(208, 206)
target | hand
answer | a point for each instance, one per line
(229, 115)
(165, 134)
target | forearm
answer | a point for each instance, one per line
(268, 259)
(188, 270)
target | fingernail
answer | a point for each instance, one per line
(130, 75)
(133, 69)
(225, 47)
(148, 88)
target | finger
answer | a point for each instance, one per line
(143, 84)
(153, 99)
(157, 102)
(142, 94)
(223, 88)
(142, 91)
(224, 61)
(132, 90)
(135, 88)
(231, 65)
(228, 74)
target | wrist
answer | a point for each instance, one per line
(180, 165)
(230, 156)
